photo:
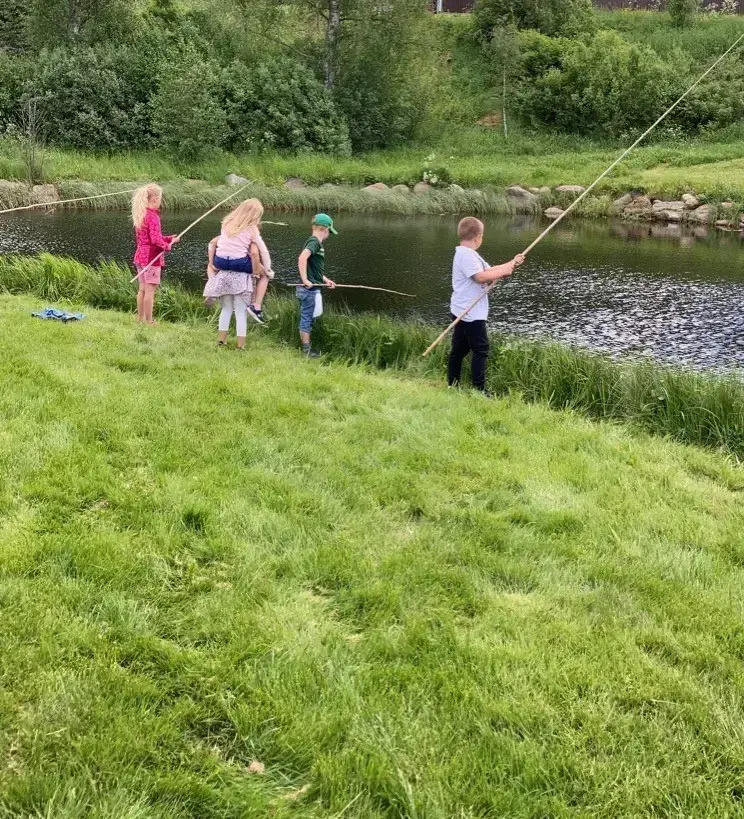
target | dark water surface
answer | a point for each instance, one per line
(629, 290)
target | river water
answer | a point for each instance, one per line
(631, 290)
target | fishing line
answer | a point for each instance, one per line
(352, 287)
(65, 201)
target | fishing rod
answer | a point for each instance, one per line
(65, 201)
(352, 287)
(585, 193)
(186, 230)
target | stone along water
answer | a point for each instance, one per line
(634, 290)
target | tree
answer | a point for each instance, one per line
(13, 24)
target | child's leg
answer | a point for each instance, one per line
(460, 348)
(307, 308)
(261, 288)
(149, 301)
(141, 302)
(478, 343)
(241, 320)
(225, 316)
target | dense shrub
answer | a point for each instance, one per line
(604, 86)
(13, 24)
(682, 11)
(282, 105)
(552, 17)
(187, 114)
(13, 71)
(93, 97)
(54, 23)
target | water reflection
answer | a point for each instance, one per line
(625, 288)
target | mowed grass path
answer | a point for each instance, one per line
(402, 601)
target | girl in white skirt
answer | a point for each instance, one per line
(235, 257)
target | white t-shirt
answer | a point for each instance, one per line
(465, 290)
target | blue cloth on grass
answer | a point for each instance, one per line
(58, 315)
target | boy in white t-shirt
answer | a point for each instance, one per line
(471, 274)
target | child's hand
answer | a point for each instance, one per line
(519, 260)
(175, 240)
(307, 283)
(331, 284)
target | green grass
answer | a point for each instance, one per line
(687, 406)
(475, 159)
(403, 601)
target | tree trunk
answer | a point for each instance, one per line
(333, 33)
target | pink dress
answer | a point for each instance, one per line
(150, 245)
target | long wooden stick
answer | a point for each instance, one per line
(585, 193)
(65, 201)
(186, 230)
(354, 287)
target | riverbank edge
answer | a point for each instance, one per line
(689, 407)
(545, 201)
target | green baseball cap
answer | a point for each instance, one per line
(324, 220)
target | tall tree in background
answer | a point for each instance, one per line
(369, 51)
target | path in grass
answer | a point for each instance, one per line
(401, 600)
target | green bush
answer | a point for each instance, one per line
(602, 86)
(682, 11)
(552, 17)
(93, 97)
(187, 114)
(12, 74)
(280, 105)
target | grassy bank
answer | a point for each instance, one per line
(686, 406)
(241, 587)
(481, 161)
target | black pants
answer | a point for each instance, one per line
(469, 336)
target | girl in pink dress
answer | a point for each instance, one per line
(236, 257)
(151, 245)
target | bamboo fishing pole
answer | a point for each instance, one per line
(65, 201)
(585, 193)
(352, 287)
(186, 230)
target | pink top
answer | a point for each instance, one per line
(150, 241)
(238, 247)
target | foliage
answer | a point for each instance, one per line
(13, 24)
(682, 12)
(603, 85)
(93, 96)
(187, 114)
(567, 18)
(65, 22)
(280, 105)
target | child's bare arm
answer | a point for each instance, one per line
(211, 251)
(258, 268)
(499, 271)
(302, 265)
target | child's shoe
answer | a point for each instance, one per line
(256, 314)
(309, 352)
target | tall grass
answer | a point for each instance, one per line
(686, 406)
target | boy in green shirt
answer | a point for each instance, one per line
(312, 272)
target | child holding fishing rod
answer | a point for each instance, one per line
(236, 257)
(311, 265)
(471, 274)
(151, 246)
